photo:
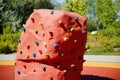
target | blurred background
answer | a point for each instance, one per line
(103, 22)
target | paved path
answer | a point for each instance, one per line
(102, 58)
(7, 56)
(95, 58)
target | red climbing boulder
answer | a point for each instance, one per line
(51, 46)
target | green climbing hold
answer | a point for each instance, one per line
(72, 29)
(37, 43)
(64, 70)
(24, 79)
(47, 55)
(21, 51)
(36, 31)
(76, 18)
(44, 68)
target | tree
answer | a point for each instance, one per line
(1, 8)
(78, 6)
(14, 13)
(105, 12)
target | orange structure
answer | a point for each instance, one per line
(51, 46)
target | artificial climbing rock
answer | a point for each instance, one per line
(51, 46)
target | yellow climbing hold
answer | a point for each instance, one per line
(45, 44)
(27, 56)
(65, 39)
(40, 23)
(23, 25)
(72, 65)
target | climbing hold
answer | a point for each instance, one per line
(51, 34)
(34, 54)
(24, 25)
(14, 63)
(37, 43)
(55, 45)
(32, 19)
(60, 22)
(43, 33)
(58, 66)
(72, 65)
(84, 31)
(65, 39)
(83, 43)
(64, 70)
(25, 66)
(72, 29)
(76, 18)
(18, 71)
(43, 68)
(45, 44)
(24, 79)
(75, 40)
(75, 70)
(13, 73)
(51, 12)
(51, 78)
(36, 31)
(61, 54)
(40, 51)
(21, 51)
(19, 41)
(23, 29)
(28, 46)
(40, 23)
(27, 56)
(79, 58)
(47, 55)
(34, 70)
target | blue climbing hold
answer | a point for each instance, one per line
(19, 40)
(34, 54)
(23, 29)
(84, 31)
(55, 45)
(18, 71)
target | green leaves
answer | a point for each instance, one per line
(105, 12)
(77, 6)
(8, 42)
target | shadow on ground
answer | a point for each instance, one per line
(94, 77)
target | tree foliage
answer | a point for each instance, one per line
(14, 13)
(101, 13)
(105, 12)
(77, 6)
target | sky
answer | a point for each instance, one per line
(60, 1)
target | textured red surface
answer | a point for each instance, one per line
(88, 73)
(54, 40)
(112, 73)
(7, 72)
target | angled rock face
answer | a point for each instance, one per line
(51, 46)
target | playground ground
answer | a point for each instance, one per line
(91, 70)
(94, 68)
